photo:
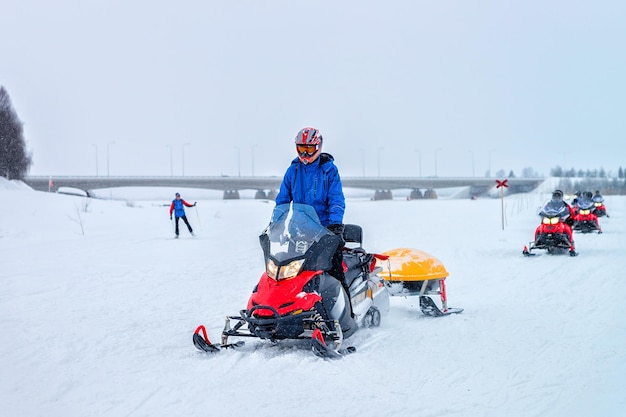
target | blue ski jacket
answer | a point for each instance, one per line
(317, 184)
(177, 207)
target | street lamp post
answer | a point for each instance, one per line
(238, 161)
(363, 160)
(436, 151)
(96, 146)
(419, 160)
(108, 144)
(183, 149)
(252, 156)
(490, 152)
(171, 160)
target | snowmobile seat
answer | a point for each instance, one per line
(353, 233)
(357, 263)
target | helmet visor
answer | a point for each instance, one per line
(307, 150)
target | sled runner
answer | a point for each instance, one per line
(412, 272)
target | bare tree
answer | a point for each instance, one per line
(14, 159)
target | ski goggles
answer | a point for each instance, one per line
(306, 149)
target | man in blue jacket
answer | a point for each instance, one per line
(313, 179)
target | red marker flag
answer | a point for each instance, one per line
(502, 183)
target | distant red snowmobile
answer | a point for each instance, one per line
(586, 220)
(553, 234)
(600, 208)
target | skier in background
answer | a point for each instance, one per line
(178, 207)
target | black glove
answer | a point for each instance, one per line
(194, 203)
(336, 229)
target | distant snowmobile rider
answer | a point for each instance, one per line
(557, 197)
(313, 179)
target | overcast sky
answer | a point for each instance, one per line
(397, 88)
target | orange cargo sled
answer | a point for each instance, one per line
(410, 272)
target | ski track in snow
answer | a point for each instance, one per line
(101, 323)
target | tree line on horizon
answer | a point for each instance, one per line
(573, 180)
(591, 180)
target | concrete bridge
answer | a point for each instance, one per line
(267, 186)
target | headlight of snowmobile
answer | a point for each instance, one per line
(550, 220)
(597, 204)
(286, 272)
(271, 269)
(291, 269)
(585, 212)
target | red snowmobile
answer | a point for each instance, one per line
(296, 298)
(553, 234)
(585, 220)
(600, 208)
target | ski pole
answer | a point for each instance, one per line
(197, 215)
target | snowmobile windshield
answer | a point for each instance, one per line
(585, 203)
(555, 209)
(598, 199)
(295, 228)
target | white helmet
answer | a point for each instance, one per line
(308, 144)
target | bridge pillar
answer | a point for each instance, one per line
(271, 194)
(260, 195)
(383, 195)
(416, 194)
(231, 195)
(431, 193)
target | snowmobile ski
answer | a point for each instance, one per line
(322, 350)
(527, 252)
(202, 342)
(429, 308)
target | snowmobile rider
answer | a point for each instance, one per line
(557, 197)
(313, 179)
(178, 207)
(599, 204)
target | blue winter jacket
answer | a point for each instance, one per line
(317, 184)
(178, 208)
